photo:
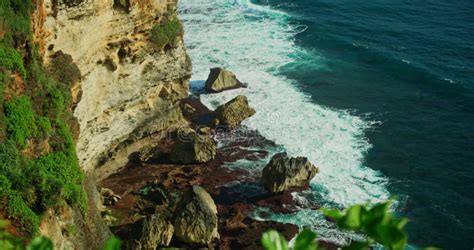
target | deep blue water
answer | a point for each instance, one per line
(409, 65)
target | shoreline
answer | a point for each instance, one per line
(236, 191)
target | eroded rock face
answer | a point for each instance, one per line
(234, 112)
(157, 231)
(220, 79)
(191, 147)
(196, 218)
(126, 83)
(283, 173)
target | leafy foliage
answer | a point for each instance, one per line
(15, 16)
(377, 222)
(10, 59)
(48, 178)
(112, 244)
(272, 240)
(10, 242)
(166, 33)
(20, 119)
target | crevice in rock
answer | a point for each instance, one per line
(122, 5)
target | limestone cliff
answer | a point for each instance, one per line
(128, 91)
(127, 84)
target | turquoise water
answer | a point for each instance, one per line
(379, 94)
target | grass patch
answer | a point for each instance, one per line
(166, 33)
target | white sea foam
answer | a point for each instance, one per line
(254, 42)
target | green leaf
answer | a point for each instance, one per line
(272, 240)
(377, 212)
(40, 243)
(357, 245)
(4, 223)
(401, 223)
(391, 237)
(112, 244)
(306, 240)
(332, 213)
(352, 219)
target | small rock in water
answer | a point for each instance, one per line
(220, 79)
(283, 173)
(234, 112)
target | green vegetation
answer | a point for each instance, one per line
(33, 180)
(166, 33)
(64, 69)
(8, 241)
(20, 119)
(376, 222)
(11, 60)
(11, 242)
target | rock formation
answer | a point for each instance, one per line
(157, 231)
(234, 112)
(220, 79)
(191, 147)
(196, 218)
(283, 173)
(126, 83)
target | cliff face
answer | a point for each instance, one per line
(128, 88)
(128, 91)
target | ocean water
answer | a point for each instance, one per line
(378, 94)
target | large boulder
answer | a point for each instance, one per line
(157, 231)
(234, 112)
(191, 147)
(283, 173)
(220, 79)
(196, 218)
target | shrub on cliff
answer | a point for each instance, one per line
(11, 60)
(46, 179)
(20, 119)
(166, 33)
(14, 14)
(64, 69)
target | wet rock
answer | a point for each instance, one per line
(215, 122)
(157, 231)
(108, 196)
(188, 110)
(196, 218)
(205, 131)
(234, 112)
(107, 217)
(191, 147)
(220, 79)
(155, 192)
(283, 173)
(149, 153)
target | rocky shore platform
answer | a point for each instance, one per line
(141, 189)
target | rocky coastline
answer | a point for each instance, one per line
(155, 180)
(161, 168)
